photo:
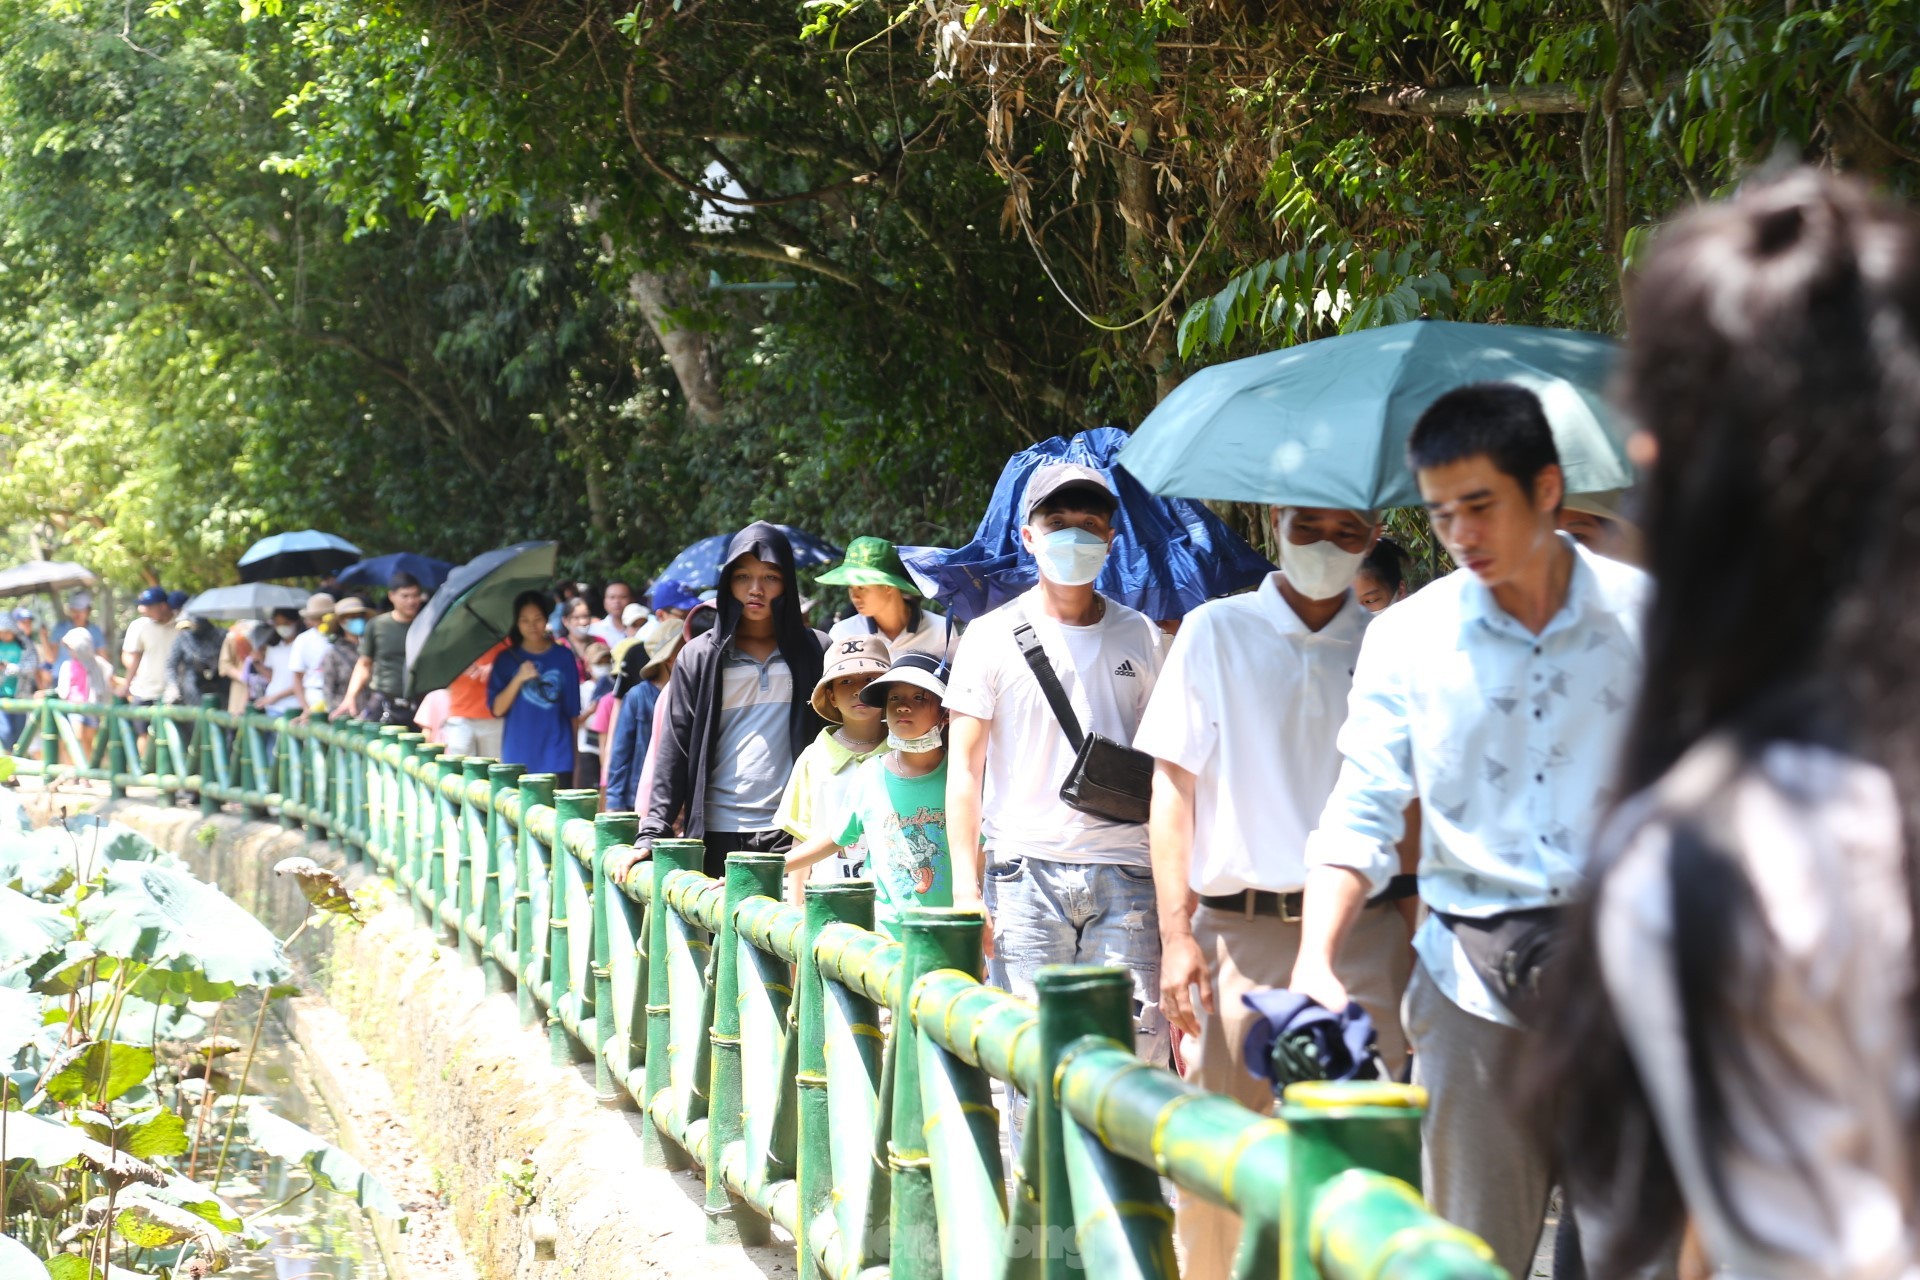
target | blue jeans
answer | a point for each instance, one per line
(1077, 913)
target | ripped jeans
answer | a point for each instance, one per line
(1076, 913)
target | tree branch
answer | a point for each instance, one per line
(1475, 100)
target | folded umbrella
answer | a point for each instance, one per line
(471, 612)
(378, 571)
(247, 600)
(1325, 424)
(308, 553)
(1297, 1038)
(699, 565)
(42, 575)
(1168, 556)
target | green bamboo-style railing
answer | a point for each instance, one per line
(823, 1079)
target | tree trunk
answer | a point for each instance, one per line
(1140, 213)
(687, 349)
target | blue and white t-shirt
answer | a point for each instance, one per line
(753, 754)
(538, 730)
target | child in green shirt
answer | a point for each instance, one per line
(898, 801)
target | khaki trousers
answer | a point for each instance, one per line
(1253, 953)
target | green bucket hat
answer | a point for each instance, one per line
(870, 562)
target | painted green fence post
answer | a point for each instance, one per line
(535, 789)
(472, 858)
(1121, 1227)
(1077, 1001)
(668, 856)
(730, 1219)
(50, 743)
(494, 932)
(828, 903)
(1334, 1128)
(570, 914)
(610, 830)
(206, 738)
(116, 758)
(934, 939)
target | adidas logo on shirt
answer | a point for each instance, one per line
(1126, 669)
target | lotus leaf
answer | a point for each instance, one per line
(173, 921)
(29, 932)
(17, 1262)
(19, 1022)
(329, 1165)
(100, 1072)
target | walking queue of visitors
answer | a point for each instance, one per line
(1621, 868)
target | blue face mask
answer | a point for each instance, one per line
(355, 626)
(1070, 557)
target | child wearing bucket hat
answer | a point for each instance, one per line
(816, 794)
(886, 602)
(898, 801)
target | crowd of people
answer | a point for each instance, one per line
(1620, 867)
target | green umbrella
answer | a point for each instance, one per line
(1325, 424)
(471, 612)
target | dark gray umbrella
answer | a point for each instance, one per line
(471, 611)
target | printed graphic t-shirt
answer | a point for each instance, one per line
(904, 822)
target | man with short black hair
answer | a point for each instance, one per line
(382, 664)
(1497, 697)
(611, 628)
(1060, 885)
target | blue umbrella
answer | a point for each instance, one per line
(699, 565)
(1169, 554)
(379, 571)
(306, 554)
(1325, 424)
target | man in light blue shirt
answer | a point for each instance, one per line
(1498, 698)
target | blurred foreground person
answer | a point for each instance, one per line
(1752, 923)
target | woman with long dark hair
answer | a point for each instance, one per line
(534, 689)
(1737, 1036)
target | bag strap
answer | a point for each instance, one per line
(1036, 656)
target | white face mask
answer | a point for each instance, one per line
(600, 671)
(285, 632)
(1070, 557)
(1319, 570)
(928, 741)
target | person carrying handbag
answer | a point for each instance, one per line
(1065, 876)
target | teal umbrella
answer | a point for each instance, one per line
(1325, 424)
(471, 612)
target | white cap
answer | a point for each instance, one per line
(1055, 476)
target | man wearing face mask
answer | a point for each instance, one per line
(1060, 885)
(1243, 729)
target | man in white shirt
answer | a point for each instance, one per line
(1243, 727)
(1060, 886)
(1498, 697)
(143, 650)
(611, 629)
(308, 653)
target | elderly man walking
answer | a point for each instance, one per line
(1061, 885)
(1498, 697)
(1243, 728)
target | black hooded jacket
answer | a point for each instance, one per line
(687, 741)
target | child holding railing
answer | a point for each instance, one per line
(898, 801)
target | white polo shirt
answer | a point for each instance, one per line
(1251, 703)
(934, 635)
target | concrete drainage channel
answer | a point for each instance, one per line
(507, 1164)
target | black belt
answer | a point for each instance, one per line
(1265, 902)
(1257, 902)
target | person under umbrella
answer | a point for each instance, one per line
(382, 668)
(343, 649)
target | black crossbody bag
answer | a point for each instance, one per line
(1108, 779)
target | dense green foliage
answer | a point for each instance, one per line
(439, 274)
